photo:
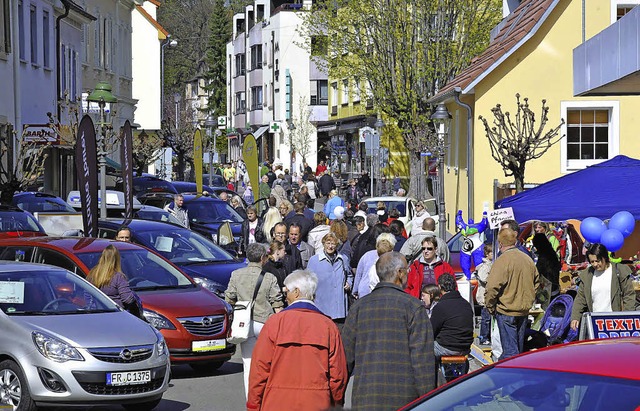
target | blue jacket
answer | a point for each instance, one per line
(331, 205)
(331, 298)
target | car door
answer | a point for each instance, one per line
(56, 258)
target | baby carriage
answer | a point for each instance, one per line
(555, 325)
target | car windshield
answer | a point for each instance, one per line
(50, 292)
(205, 212)
(182, 246)
(144, 269)
(401, 206)
(38, 203)
(524, 389)
(18, 221)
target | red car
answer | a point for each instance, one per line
(586, 375)
(193, 321)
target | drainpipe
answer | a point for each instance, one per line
(57, 71)
(456, 94)
(17, 88)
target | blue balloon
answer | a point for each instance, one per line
(592, 229)
(624, 222)
(612, 239)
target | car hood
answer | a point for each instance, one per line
(190, 302)
(92, 330)
(218, 271)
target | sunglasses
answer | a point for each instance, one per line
(427, 248)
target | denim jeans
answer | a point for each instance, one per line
(511, 334)
(485, 325)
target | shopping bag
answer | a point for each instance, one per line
(241, 324)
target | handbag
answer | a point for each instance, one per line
(242, 314)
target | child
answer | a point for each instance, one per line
(482, 274)
(430, 296)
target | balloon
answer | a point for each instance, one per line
(592, 229)
(624, 222)
(612, 239)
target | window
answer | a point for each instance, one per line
(5, 27)
(619, 8)
(16, 253)
(345, 92)
(240, 64)
(356, 90)
(334, 98)
(240, 103)
(45, 256)
(256, 98)
(33, 27)
(96, 41)
(592, 134)
(21, 41)
(46, 47)
(319, 93)
(68, 73)
(256, 57)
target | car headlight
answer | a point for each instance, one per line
(55, 349)
(158, 321)
(161, 345)
(214, 287)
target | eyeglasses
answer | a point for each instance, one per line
(279, 234)
(428, 248)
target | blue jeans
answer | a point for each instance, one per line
(511, 334)
(485, 325)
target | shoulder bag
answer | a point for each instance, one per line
(242, 316)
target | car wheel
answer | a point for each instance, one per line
(206, 365)
(13, 387)
(142, 406)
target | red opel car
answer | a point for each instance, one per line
(193, 321)
(581, 376)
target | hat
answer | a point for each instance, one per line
(338, 212)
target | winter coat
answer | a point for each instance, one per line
(331, 297)
(242, 285)
(452, 322)
(416, 275)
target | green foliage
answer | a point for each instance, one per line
(216, 75)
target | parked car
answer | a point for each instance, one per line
(156, 214)
(115, 202)
(15, 222)
(149, 185)
(194, 254)
(405, 205)
(587, 375)
(193, 321)
(184, 187)
(40, 202)
(65, 343)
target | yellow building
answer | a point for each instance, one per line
(532, 53)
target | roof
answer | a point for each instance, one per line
(516, 29)
(607, 358)
(72, 244)
(153, 21)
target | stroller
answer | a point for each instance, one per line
(555, 325)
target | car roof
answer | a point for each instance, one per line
(8, 208)
(601, 355)
(7, 266)
(137, 224)
(71, 244)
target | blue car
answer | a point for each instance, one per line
(197, 256)
(206, 215)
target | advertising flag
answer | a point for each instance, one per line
(250, 157)
(87, 169)
(126, 159)
(197, 159)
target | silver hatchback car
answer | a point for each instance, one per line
(65, 343)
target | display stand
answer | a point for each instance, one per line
(609, 325)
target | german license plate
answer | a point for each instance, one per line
(128, 377)
(208, 345)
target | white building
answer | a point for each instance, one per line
(269, 75)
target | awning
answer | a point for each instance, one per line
(112, 166)
(260, 131)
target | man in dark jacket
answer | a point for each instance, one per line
(326, 184)
(451, 320)
(388, 342)
(301, 219)
(364, 182)
(292, 258)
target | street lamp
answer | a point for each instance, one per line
(171, 43)
(102, 95)
(441, 119)
(378, 125)
(210, 123)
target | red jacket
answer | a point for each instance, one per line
(416, 275)
(298, 362)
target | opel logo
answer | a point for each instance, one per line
(126, 354)
(206, 321)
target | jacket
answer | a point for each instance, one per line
(482, 274)
(413, 245)
(259, 234)
(416, 275)
(389, 347)
(315, 237)
(242, 285)
(278, 269)
(306, 252)
(621, 283)
(452, 322)
(331, 297)
(326, 184)
(298, 362)
(512, 284)
(303, 221)
(331, 205)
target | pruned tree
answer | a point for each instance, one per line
(302, 135)
(404, 51)
(147, 148)
(180, 138)
(516, 141)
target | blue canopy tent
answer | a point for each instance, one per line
(597, 191)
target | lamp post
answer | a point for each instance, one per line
(210, 123)
(441, 119)
(102, 95)
(171, 43)
(378, 125)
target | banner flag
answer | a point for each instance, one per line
(126, 160)
(197, 158)
(87, 169)
(250, 157)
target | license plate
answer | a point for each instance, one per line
(208, 345)
(128, 378)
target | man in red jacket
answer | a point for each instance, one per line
(299, 358)
(428, 268)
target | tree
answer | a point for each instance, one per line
(18, 172)
(216, 61)
(405, 51)
(514, 142)
(302, 135)
(147, 148)
(180, 138)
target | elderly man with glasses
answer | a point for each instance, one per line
(427, 268)
(298, 362)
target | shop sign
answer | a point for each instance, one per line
(616, 325)
(497, 216)
(39, 134)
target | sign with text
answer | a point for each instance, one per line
(610, 325)
(39, 134)
(495, 217)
